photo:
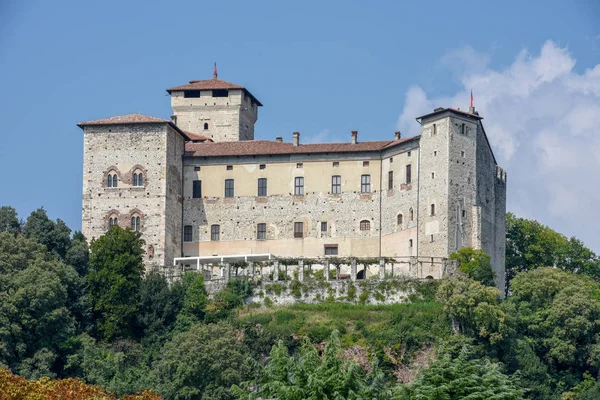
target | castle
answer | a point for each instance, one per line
(199, 187)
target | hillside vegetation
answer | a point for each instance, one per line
(69, 311)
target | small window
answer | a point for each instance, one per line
(135, 223)
(299, 186)
(215, 233)
(191, 94)
(262, 166)
(365, 225)
(187, 233)
(434, 129)
(408, 154)
(298, 229)
(431, 239)
(115, 181)
(206, 126)
(261, 231)
(324, 226)
(408, 174)
(135, 179)
(229, 188)
(109, 183)
(299, 165)
(464, 213)
(399, 219)
(432, 210)
(433, 175)
(365, 163)
(336, 164)
(220, 93)
(365, 183)
(197, 189)
(262, 187)
(411, 215)
(196, 168)
(331, 249)
(112, 221)
(435, 153)
(230, 168)
(462, 129)
(409, 242)
(336, 184)
(462, 154)
(390, 180)
(391, 160)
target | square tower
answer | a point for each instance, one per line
(222, 111)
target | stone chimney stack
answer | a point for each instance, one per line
(397, 135)
(354, 137)
(296, 138)
(279, 139)
(472, 110)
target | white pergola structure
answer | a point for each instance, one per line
(223, 261)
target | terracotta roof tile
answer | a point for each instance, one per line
(209, 84)
(125, 119)
(259, 147)
(197, 137)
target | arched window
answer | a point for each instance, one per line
(135, 179)
(411, 214)
(112, 221)
(206, 126)
(115, 181)
(432, 210)
(399, 219)
(109, 183)
(135, 223)
(112, 180)
(138, 179)
(365, 225)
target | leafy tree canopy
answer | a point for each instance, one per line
(56, 236)
(9, 222)
(475, 264)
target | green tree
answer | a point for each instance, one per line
(56, 236)
(475, 264)
(78, 254)
(194, 302)
(114, 280)
(9, 222)
(201, 363)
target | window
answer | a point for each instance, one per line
(228, 187)
(135, 223)
(464, 213)
(434, 129)
(331, 249)
(188, 94)
(432, 209)
(433, 175)
(262, 187)
(365, 225)
(365, 163)
(196, 168)
(462, 154)
(408, 174)
(399, 218)
(408, 154)
(409, 242)
(391, 160)
(336, 184)
(187, 233)
(390, 180)
(138, 179)
(206, 126)
(215, 233)
(220, 93)
(298, 229)
(229, 167)
(462, 129)
(299, 186)
(324, 226)
(261, 231)
(336, 164)
(411, 215)
(435, 153)
(431, 240)
(113, 180)
(197, 189)
(365, 183)
(262, 166)
(299, 165)
(112, 221)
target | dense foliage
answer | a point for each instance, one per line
(69, 310)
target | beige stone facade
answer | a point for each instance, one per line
(425, 196)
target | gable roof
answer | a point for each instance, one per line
(129, 119)
(265, 147)
(209, 84)
(454, 110)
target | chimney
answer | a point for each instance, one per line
(174, 119)
(354, 137)
(296, 138)
(472, 110)
(397, 135)
(279, 139)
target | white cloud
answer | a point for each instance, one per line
(543, 120)
(324, 136)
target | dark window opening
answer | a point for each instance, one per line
(336, 164)
(411, 215)
(191, 94)
(432, 210)
(365, 184)
(135, 223)
(229, 167)
(299, 165)
(197, 189)
(299, 186)
(408, 174)
(365, 163)
(187, 233)
(434, 129)
(331, 249)
(228, 187)
(336, 184)
(324, 226)
(409, 242)
(262, 187)
(262, 166)
(298, 229)
(390, 180)
(261, 231)
(462, 129)
(365, 225)
(206, 126)
(215, 233)
(399, 219)
(220, 93)
(138, 179)
(464, 213)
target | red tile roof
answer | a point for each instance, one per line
(210, 84)
(440, 110)
(197, 137)
(259, 147)
(125, 119)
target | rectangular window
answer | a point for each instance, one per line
(191, 94)
(261, 231)
(324, 226)
(464, 213)
(298, 229)
(391, 160)
(409, 242)
(299, 186)
(299, 165)
(215, 233)
(262, 166)
(434, 129)
(229, 167)
(336, 184)
(229, 188)
(336, 164)
(408, 154)
(390, 180)
(187, 233)
(331, 249)
(220, 93)
(365, 163)
(196, 168)
(262, 187)
(408, 174)
(365, 183)
(197, 189)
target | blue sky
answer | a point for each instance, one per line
(321, 68)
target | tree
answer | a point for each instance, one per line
(194, 302)
(475, 264)
(78, 254)
(54, 235)
(201, 363)
(114, 280)
(9, 222)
